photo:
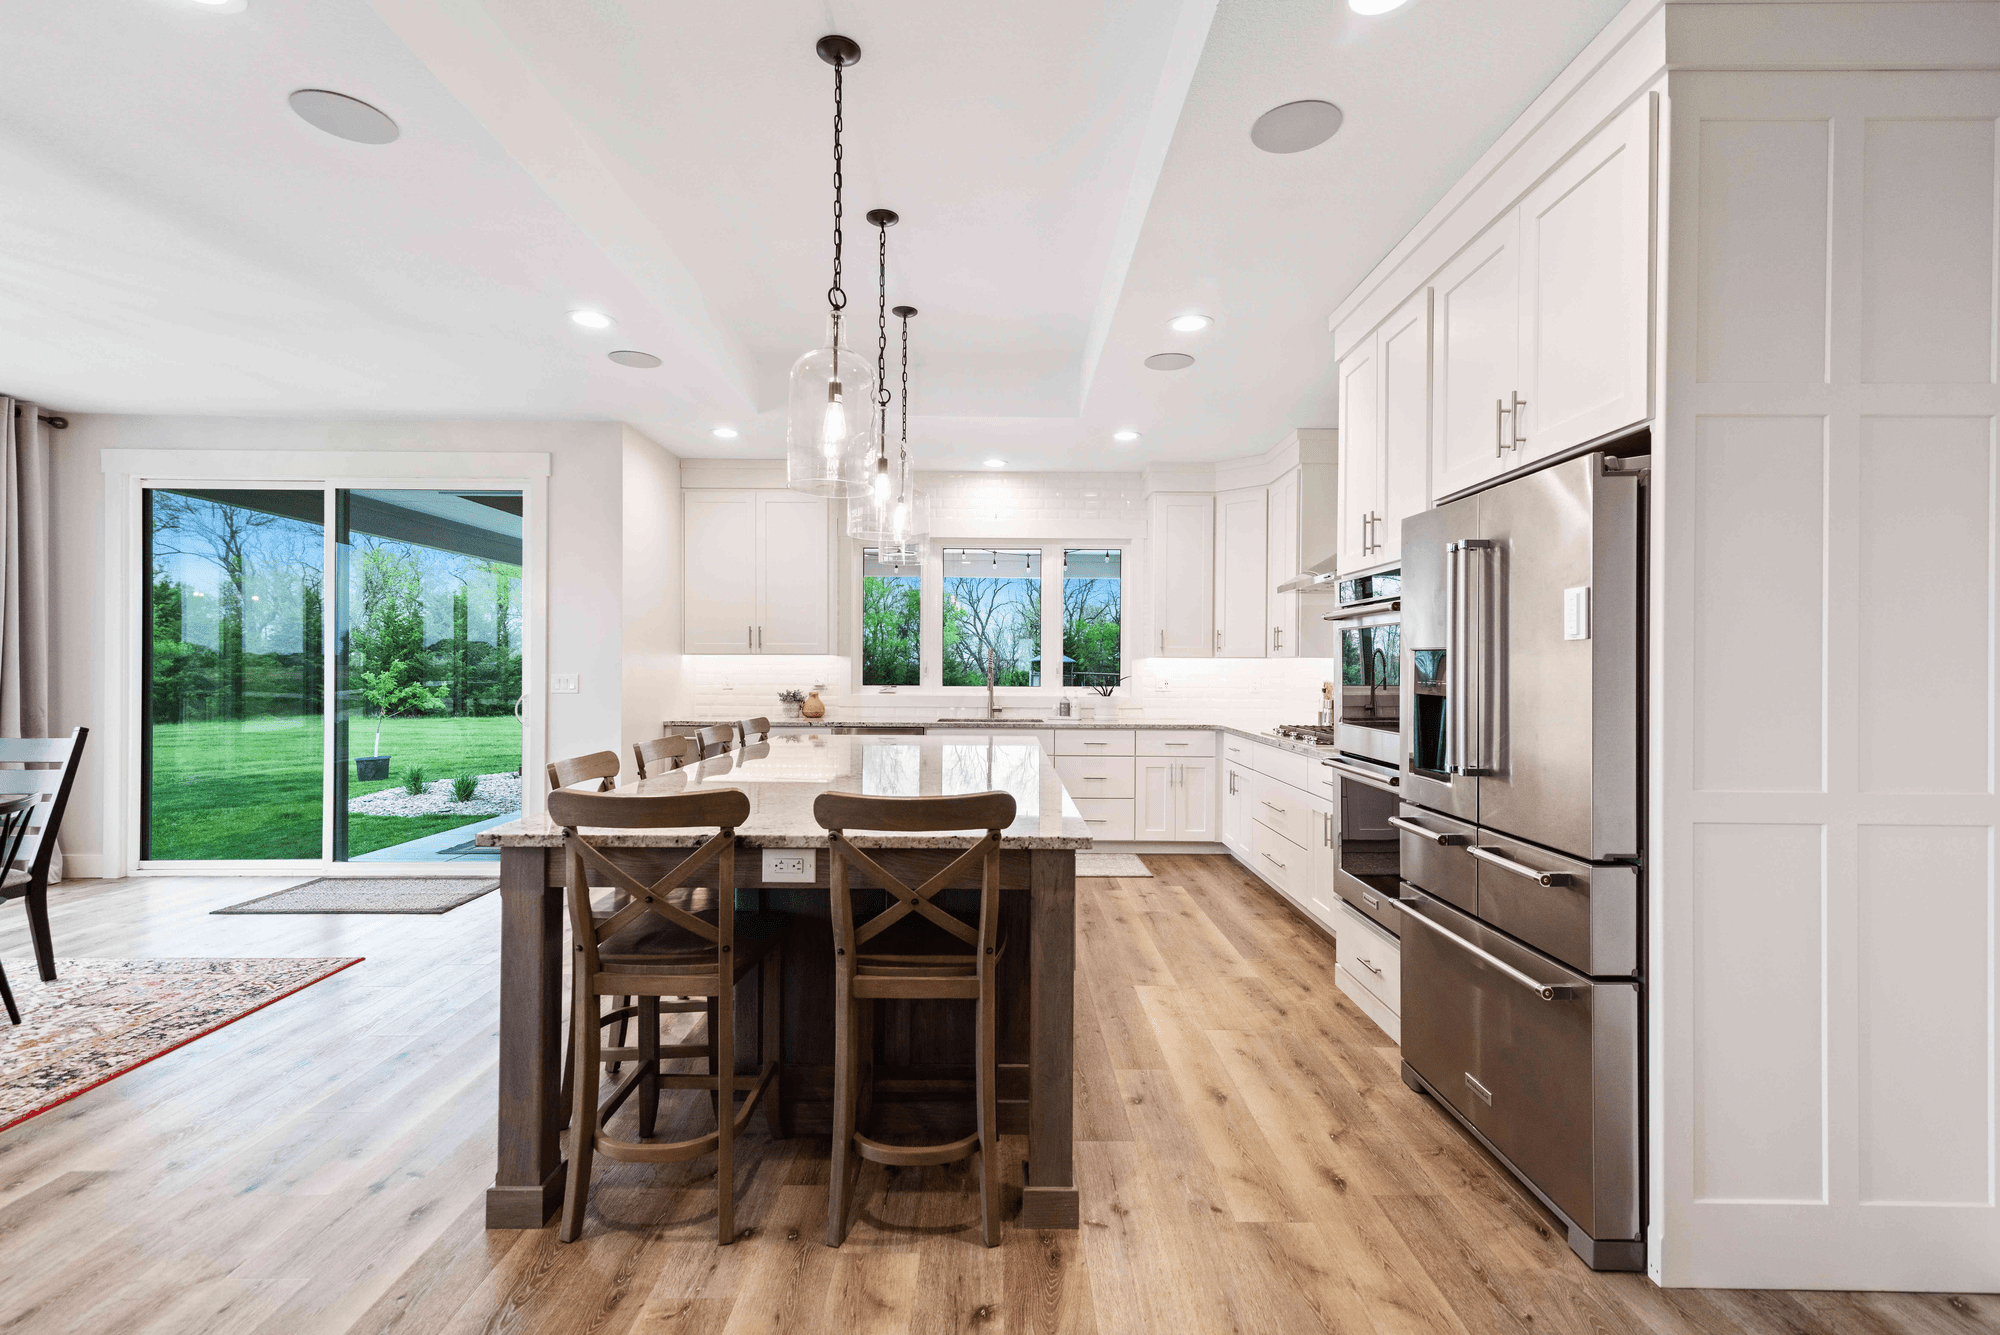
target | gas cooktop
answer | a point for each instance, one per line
(1305, 732)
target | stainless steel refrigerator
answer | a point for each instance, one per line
(1522, 823)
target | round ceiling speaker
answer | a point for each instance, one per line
(1295, 127)
(645, 361)
(343, 117)
(1169, 361)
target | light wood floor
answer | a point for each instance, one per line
(1250, 1161)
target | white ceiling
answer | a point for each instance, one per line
(174, 239)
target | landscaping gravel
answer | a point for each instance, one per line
(496, 795)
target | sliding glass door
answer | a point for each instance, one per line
(420, 645)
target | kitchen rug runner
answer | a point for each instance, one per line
(102, 1018)
(1110, 864)
(371, 894)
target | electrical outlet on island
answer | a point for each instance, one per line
(789, 864)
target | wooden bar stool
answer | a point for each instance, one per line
(754, 730)
(913, 949)
(714, 741)
(661, 755)
(599, 765)
(655, 948)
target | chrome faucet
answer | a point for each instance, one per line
(991, 712)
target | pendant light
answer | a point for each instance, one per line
(829, 432)
(898, 526)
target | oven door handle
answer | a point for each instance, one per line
(1386, 782)
(1442, 838)
(1505, 863)
(1546, 991)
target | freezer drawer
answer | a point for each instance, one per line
(1539, 1060)
(1436, 856)
(1586, 916)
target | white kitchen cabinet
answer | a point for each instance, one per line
(1281, 562)
(1194, 799)
(756, 573)
(1370, 971)
(1478, 360)
(1182, 554)
(1585, 235)
(1319, 897)
(1153, 814)
(1241, 588)
(1176, 797)
(1403, 460)
(1360, 456)
(1234, 800)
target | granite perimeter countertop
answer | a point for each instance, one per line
(1022, 724)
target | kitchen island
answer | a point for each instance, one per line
(915, 1062)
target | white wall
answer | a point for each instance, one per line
(652, 589)
(585, 624)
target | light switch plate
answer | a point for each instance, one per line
(563, 683)
(1576, 613)
(789, 864)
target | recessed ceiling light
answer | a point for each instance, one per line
(645, 361)
(343, 117)
(1295, 127)
(724, 433)
(1125, 437)
(1189, 324)
(1374, 6)
(996, 463)
(1169, 361)
(591, 319)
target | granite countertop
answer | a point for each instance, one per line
(784, 775)
(1030, 725)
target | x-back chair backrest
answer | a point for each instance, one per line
(51, 785)
(599, 765)
(754, 729)
(725, 808)
(840, 812)
(659, 755)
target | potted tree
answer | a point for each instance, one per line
(390, 694)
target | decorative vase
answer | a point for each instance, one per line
(814, 707)
(1101, 708)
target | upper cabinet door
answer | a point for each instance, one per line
(1478, 361)
(1283, 560)
(1360, 490)
(719, 596)
(793, 560)
(1183, 555)
(1240, 585)
(1586, 233)
(1404, 343)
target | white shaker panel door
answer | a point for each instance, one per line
(1282, 561)
(1194, 791)
(1405, 412)
(1240, 589)
(1183, 562)
(1478, 361)
(719, 590)
(792, 565)
(1360, 487)
(1586, 307)
(1153, 810)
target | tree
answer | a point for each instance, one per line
(1090, 631)
(222, 535)
(890, 626)
(389, 690)
(985, 615)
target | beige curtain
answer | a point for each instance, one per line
(24, 576)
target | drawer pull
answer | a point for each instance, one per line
(1485, 1094)
(1097, 820)
(1280, 810)
(1268, 858)
(1180, 743)
(1546, 991)
(1366, 965)
(1438, 837)
(1095, 778)
(1505, 863)
(1372, 901)
(1097, 743)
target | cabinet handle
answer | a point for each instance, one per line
(1218, 639)
(1279, 810)
(760, 639)
(749, 637)
(1178, 743)
(1499, 421)
(1163, 639)
(1515, 412)
(1268, 858)
(1366, 965)
(1277, 637)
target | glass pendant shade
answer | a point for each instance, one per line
(905, 532)
(830, 443)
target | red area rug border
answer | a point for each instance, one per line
(175, 1047)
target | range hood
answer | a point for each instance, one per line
(1315, 576)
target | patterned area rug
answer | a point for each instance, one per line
(1110, 864)
(371, 894)
(102, 1018)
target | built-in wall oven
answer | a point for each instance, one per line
(1366, 767)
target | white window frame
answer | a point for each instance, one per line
(930, 673)
(128, 473)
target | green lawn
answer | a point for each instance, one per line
(251, 789)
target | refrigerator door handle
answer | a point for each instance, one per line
(1469, 644)
(1442, 838)
(1497, 859)
(1546, 991)
(1454, 661)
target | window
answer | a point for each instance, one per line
(992, 611)
(891, 621)
(1091, 615)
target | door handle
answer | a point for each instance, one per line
(1163, 639)
(760, 639)
(1218, 639)
(1499, 423)
(1505, 863)
(749, 637)
(1515, 412)
(1469, 713)
(1441, 838)
(1546, 991)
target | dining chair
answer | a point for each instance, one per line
(660, 755)
(599, 765)
(669, 941)
(15, 812)
(50, 784)
(716, 740)
(913, 949)
(754, 730)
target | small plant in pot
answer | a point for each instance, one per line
(791, 698)
(390, 694)
(1100, 690)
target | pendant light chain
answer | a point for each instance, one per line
(906, 381)
(836, 296)
(882, 395)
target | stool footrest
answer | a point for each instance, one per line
(915, 1156)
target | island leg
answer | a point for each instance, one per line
(528, 1188)
(1048, 1198)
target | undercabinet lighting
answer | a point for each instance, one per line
(724, 433)
(1189, 324)
(1125, 437)
(996, 463)
(591, 319)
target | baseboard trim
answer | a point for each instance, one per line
(83, 866)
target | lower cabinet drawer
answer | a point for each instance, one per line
(1372, 956)
(1286, 810)
(1178, 745)
(1239, 750)
(1096, 776)
(1109, 818)
(1278, 860)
